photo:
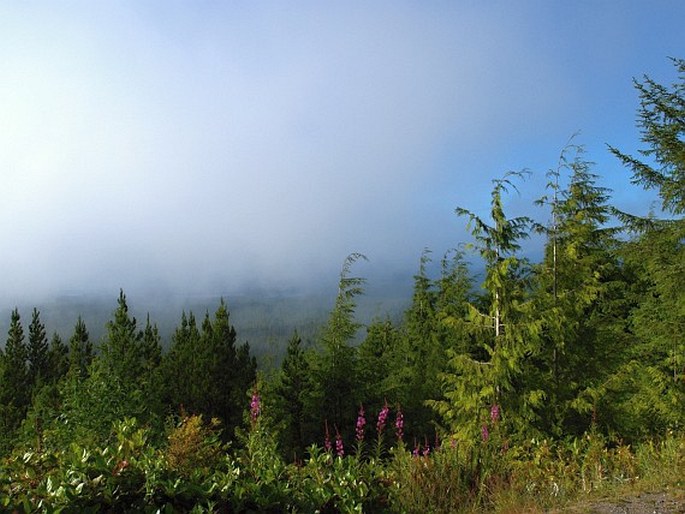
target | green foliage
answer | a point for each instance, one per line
(14, 382)
(654, 385)
(661, 118)
(492, 373)
(291, 391)
(37, 352)
(204, 373)
(335, 394)
(578, 290)
(80, 350)
(538, 381)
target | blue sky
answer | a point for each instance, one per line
(202, 146)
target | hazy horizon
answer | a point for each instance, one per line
(177, 148)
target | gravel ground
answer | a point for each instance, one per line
(646, 503)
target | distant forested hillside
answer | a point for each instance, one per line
(506, 380)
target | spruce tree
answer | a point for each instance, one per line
(291, 394)
(14, 384)
(58, 359)
(122, 347)
(80, 350)
(15, 380)
(336, 391)
(37, 352)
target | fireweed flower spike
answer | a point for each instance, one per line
(361, 423)
(255, 406)
(485, 434)
(339, 448)
(494, 413)
(399, 424)
(382, 418)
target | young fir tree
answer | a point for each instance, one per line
(122, 350)
(81, 352)
(576, 297)
(46, 403)
(336, 391)
(14, 385)
(204, 373)
(654, 379)
(291, 392)
(506, 332)
(383, 372)
(58, 359)
(179, 367)
(422, 348)
(115, 385)
(37, 352)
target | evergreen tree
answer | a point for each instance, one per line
(654, 379)
(506, 332)
(122, 347)
(431, 330)
(336, 391)
(15, 384)
(81, 352)
(58, 359)
(204, 373)
(37, 352)
(577, 283)
(382, 374)
(179, 366)
(291, 392)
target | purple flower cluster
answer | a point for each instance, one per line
(361, 423)
(339, 448)
(399, 424)
(382, 419)
(484, 432)
(255, 406)
(494, 413)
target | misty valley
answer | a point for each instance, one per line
(492, 381)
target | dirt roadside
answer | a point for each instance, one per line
(672, 502)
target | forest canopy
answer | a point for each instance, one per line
(587, 340)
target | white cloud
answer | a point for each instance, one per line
(194, 143)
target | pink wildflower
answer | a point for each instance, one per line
(485, 434)
(399, 424)
(382, 418)
(255, 406)
(339, 448)
(361, 423)
(494, 413)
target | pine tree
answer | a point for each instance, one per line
(14, 385)
(37, 352)
(122, 347)
(336, 392)
(291, 392)
(58, 359)
(81, 352)
(204, 373)
(15, 381)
